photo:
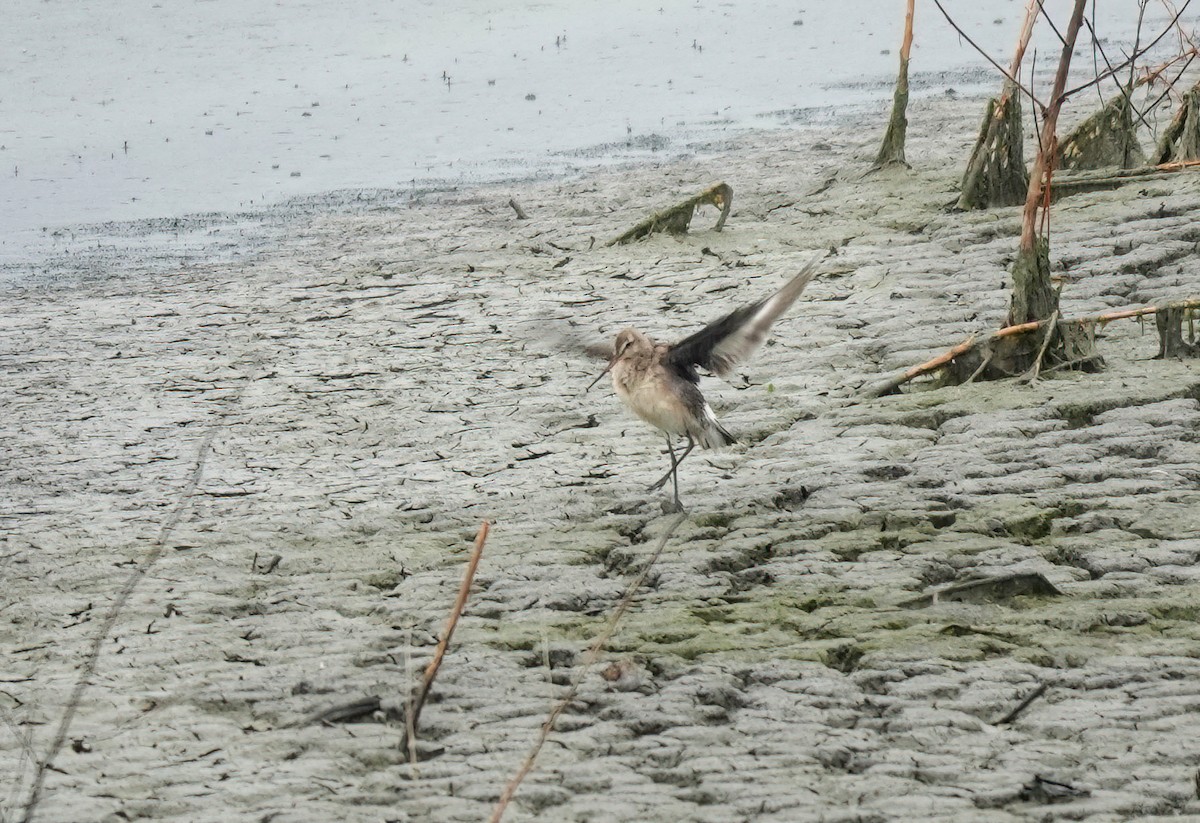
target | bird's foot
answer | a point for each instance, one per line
(662, 482)
(673, 506)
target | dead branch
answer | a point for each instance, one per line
(677, 218)
(1152, 74)
(364, 707)
(998, 589)
(1188, 53)
(589, 660)
(891, 384)
(413, 715)
(1129, 61)
(1094, 180)
(973, 342)
(984, 362)
(1033, 296)
(346, 712)
(1009, 76)
(521, 215)
(1023, 705)
(1127, 89)
(1137, 41)
(1031, 376)
(995, 174)
(1032, 9)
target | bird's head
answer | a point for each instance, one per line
(627, 342)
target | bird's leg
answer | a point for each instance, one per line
(687, 451)
(662, 481)
(675, 478)
(674, 472)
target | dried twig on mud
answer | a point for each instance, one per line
(408, 740)
(973, 342)
(348, 712)
(677, 218)
(1023, 705)
(589, 660)
(363, 707)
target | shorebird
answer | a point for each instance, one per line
(659, 381)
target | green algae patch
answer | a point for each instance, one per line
(769, 627)
(1172, 612)
(717, 519)
(385, 580)
(844, 658)
(845, 629)
(531, 635)
(594, 546)
(1018, 518)
(1029, 525)
(1076, 397)
(1042, 628)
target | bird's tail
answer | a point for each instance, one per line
(714, 435)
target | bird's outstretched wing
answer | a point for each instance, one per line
(723, 344)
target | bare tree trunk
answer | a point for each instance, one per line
(1107, 138)
(1170, 332)
(1033, 295)
(892, 150)
(1181, 139)
(995, 174)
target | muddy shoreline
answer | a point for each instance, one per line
(356, 394)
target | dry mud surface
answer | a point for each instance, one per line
(356, 399)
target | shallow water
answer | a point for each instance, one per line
(115, 111)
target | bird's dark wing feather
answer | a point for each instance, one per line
(723, 344)
(700, 348)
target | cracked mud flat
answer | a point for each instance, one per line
(358, 398)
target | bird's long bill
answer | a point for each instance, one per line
(607, 369)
